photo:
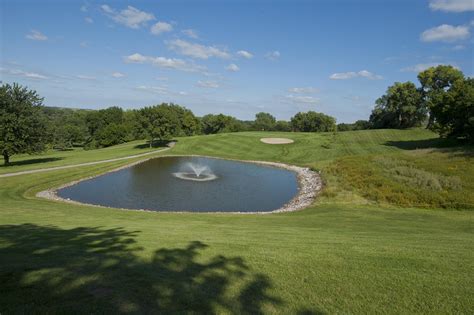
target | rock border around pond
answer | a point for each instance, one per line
(309, 186)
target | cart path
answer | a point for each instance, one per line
(83, 164)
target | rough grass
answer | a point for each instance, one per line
(427, 179)
(345, 254)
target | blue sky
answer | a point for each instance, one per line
(232, 57)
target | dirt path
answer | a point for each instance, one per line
(82, 164)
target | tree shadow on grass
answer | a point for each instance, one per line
(45, 269)
(155, 144)
(454, 146)
(32, 161)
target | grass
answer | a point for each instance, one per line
(348, 253)
(52, 158)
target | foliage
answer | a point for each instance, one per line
(282, 125)
(401, 107)
(159, 122)
(313, 121)
(450, 98)
(22, 126)
(432, 181)
(66, 127)
(106, 127)
(219, 123)
(358, 125)
(264, 122)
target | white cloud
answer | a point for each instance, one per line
(302, 99)
(85, 77)
(423, 66)
(107, 9)
(130, 17)
(162, 62)
(303, 90)
(161, 27)
(343, 75)
(459, 47)
(208, 84)
(232, 67)
(161, 78)
(196, 50)
(452, 5)
(273, 55)
(191, 33)
(84, 8)
(36, 35)
(118, 75)
(25, 74)
(89, 20)
(369, 75)
(445, 33)
(153, 89)
(136, 58)
(350, 75)
(245, 54)
(84, 44)
(161, 90)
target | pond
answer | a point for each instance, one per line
(195, 184)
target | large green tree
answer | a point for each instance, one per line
(264, 121)
(312, 121)
(22, 127)
(401, 107)
(189, 124)
(220, 123)
(449, 96)
(159, 122)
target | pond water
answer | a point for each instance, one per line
(189, 184)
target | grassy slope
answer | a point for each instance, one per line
(51, 158)
(333, 257)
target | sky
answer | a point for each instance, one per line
(233, 57)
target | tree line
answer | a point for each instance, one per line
(26, 126)
(444, 102)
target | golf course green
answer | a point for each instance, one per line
(391, 232)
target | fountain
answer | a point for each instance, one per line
(196, 172)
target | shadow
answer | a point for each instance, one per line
(45, 269)
(155, 144)
(455, 146)
(32, 161)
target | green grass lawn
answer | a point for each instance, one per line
(361, 248)
(52, 158)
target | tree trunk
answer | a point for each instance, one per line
(151, 143)
(6, 158)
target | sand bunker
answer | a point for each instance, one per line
(276, 140)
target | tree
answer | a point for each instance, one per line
(313, 121)
(66, 136)
(361, 125)
(189, 124)
(264, 121)
(449, 96)
(435, 83)
(219, 123)
(22, 126)
(159, 122)
(282, 125)
(401, 107)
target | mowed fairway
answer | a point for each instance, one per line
(358, 249)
